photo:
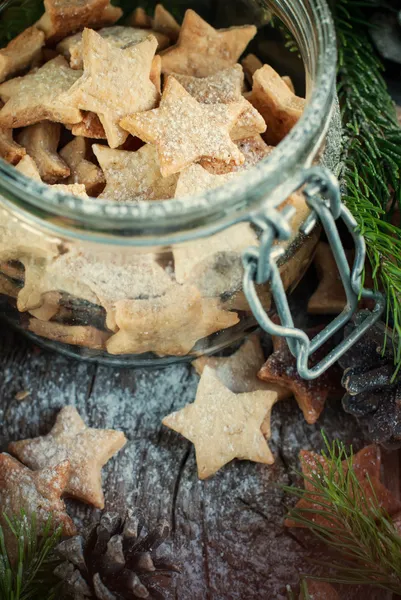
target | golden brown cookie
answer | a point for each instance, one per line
(278, 105)
(133, 176)
(223, 426)
(185, 131)
(41, 142)
(89, 127)
(118, 36)
(9, 149)
(82, 171)
(63, 17)
(21, 52)
(115, 82)
(168, 325)
(202, 50)
(86, 449)
(38, 96)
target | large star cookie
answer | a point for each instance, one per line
(134, 175)
(186, 131)
(168, 325)
(202, 50)
(34, 493)
(39, 96)
(88, 450)
(116, 82)
(63, 17)
(366, 465)
(223, 426)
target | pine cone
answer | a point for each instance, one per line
(373, 398)
(113, 561)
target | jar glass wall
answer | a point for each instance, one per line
(161, 281)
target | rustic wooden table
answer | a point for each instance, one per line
(228, 532)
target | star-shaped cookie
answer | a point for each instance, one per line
(116, 82)
(21, 52)
(38, 96)
(366, 465)
(164, 22)
(186, 131)
(280, 368)
(41, 142)
(133, 176)
(63, 17)
(87, 450)
(195, 180)
(223, 88)
(239, 371)
(118, 36)
(33, 492)
(278, 105)
(82, 171)
(168, 325)
(320, 590)
(202, 50)
(223, 426)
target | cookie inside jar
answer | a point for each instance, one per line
(144, 107)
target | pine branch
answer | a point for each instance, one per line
(30, 577)
(372, 152)
(365, 542)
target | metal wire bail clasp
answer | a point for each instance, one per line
(322, 194)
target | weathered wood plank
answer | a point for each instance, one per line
(228, 531)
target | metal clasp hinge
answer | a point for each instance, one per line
(322, 194)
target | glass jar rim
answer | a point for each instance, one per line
(222, 204)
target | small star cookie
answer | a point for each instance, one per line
(118, 36)
(281, 368)
(278, 105)
(223, 426)
(38, 96)
(186, 131)
(21, 52)
(34, 493)
(63, 17)
(202, 50)
(115, 82)
(169, 325)
(330, 297)
(41, 142)
(87, 450)
(366, 465)
(133, 176)
(82, 171)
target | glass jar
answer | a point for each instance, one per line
(157, 282)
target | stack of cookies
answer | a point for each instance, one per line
(143, 111)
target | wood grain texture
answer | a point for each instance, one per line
(228, 531)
